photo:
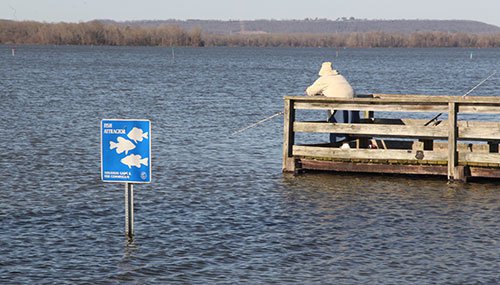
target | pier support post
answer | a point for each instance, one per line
(288, 137)
(461, 173)
(452, 140)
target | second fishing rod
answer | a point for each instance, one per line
(435, 118)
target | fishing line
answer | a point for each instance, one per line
(480, 83)
(265, 119)
(257, 123)
(463, 96)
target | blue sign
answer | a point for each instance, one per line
(126, 151)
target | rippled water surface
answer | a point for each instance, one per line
(219, 210)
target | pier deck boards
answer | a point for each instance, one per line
(450, 147)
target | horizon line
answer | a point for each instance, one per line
(340, 19)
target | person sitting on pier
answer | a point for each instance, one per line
(332, 84)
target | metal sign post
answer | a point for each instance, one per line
(129, 210)
(126, 157)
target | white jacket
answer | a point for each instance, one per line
(332, 84)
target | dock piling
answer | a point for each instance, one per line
(452, 148)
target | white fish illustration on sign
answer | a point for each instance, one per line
(123, 145)
(134, 160)
(136, 135)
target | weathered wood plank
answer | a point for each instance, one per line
(476, 130)
(400, 103)
(437, 98)
(462, 147)
(477, 157)
(392, 107)
(484, 172)
(372, 167)
(397, 107)
(479, 132)
(401, 98)
(494, 108)
(422, 122)
(391, 144)
(414, 131)
(403, 156)
(367, 154)
(406, 128)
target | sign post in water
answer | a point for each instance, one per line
(126, 158)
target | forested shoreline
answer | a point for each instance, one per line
(99, 33)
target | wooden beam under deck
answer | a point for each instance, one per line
(438, 170)
(338, 166)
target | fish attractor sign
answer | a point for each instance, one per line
(126, 150)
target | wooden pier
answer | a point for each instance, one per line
(447, 146)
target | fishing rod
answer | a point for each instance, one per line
(426, 124)
(480, 83)
(257, 123)
(263, 120)
(463, 96)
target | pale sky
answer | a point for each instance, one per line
(121, 10)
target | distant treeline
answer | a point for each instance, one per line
(95, 33)
(359, 40)
(322, 26)
(98, 33)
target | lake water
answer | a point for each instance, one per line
(219, 210)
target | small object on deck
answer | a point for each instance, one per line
(345, 146)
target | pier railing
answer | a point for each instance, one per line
(449, 146)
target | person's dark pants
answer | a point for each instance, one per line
(343, 116)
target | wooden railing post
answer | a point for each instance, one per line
(452, 140)
(364, 142)
(368, 115)
(288, 136)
